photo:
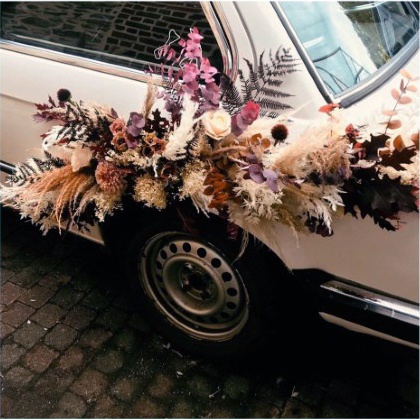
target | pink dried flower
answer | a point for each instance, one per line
(248, 114)
(110, 178)
(118, 126)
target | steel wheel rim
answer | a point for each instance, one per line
(193, 285)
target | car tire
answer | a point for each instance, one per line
(199, 294)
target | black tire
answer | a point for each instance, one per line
(198, 295)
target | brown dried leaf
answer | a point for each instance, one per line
(265, 143)
(396, 123)
(389, 112)
(395, 94)
(398, 143)
(402, 88)
(404, 100)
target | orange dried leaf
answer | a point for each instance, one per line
(389, 112)
(328, 108)
(265, 142)
(395, 94)
(398, 143)
(404, 100)
(406, 74)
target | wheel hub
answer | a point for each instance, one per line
(194, 286)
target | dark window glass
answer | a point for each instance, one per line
(350, 40)
(124, 33)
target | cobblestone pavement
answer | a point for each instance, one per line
(73, 346)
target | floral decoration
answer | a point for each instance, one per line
(227, 151)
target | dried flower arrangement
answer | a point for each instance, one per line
(225, 150)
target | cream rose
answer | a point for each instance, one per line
(217, 124)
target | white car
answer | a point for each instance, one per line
(202, 290)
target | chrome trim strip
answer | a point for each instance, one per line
(224, 37)
(368, 300)
(73, 60)
(303, 54)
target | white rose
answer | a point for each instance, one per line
(81, 157)
(217, 124)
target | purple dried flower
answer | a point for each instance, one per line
(136, 123)
(255, 173)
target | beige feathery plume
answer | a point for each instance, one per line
(150, 98)
(184, 133)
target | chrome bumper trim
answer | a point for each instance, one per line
(7, 167)
(370, 301)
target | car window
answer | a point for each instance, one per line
(123, 33)
(349, 41)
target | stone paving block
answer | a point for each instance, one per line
(11, 248)
(5, 275)
(346, 392)
(17, 377)
(72, 359)
(6, 406)
(54, 280)
(83, 282)
(146, 407)
(260, 409)
(311, 392)
(182, 409)
(112, 318)
(137, 322)
(61, 337)
(45, 264)
(124, 388)
(236, 387)
(106, 407)
(200, 386)
(109, 362)
(10, 292)
(126, 340)
(16, 314)
(26, 276)
(36, 296)
(94, 338)
(29, 334)
(31, 406)
(39, 358)
(97, 300)
(294, 408)
(90, 385)
(5, 330)
(67, 297)
(161, 387)
(53, 383)
(10, 354)
(72, 406)
(79, 317)
(48, 315)
(332, 408)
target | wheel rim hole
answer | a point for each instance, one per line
(163, 254)
(159, 265)
(201, 252)
(224, 315)
(173, 248)
(232, 292)
(216, 263)
(226, 276)
(186, 247)
(230, 305)
(159, 278)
